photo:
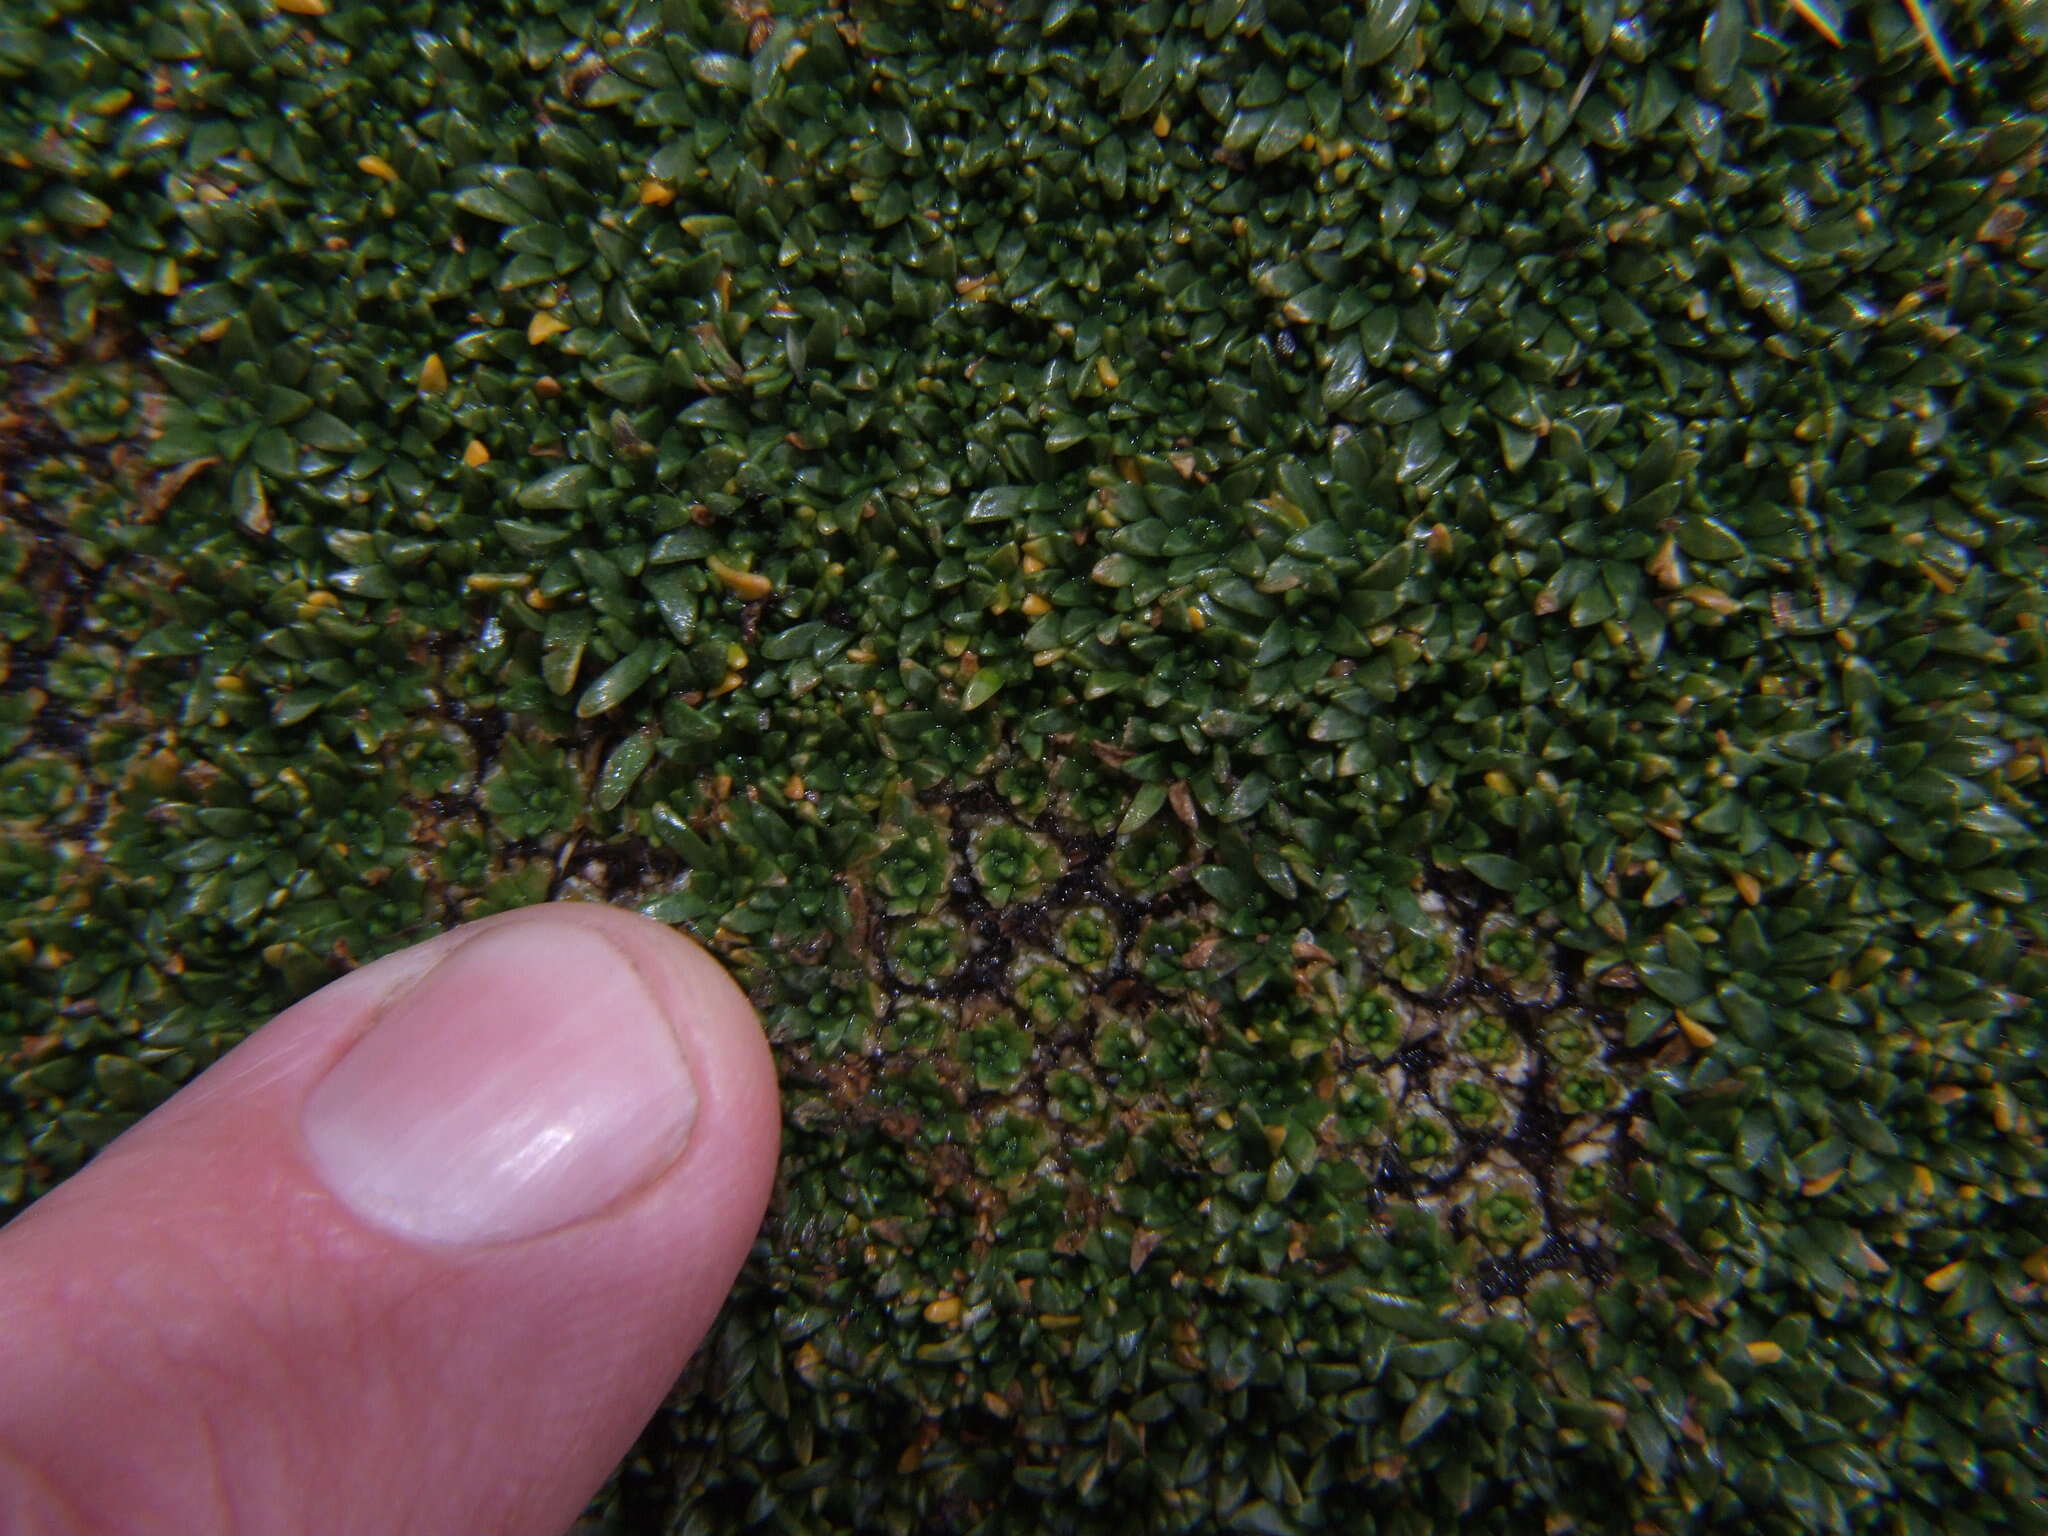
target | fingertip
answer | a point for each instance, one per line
(738, 1124)
(351, 1335)
(552, 1063)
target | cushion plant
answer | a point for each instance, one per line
(1362, 686)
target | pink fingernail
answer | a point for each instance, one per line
(526, 1082)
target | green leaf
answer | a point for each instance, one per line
(999, 503)
(490, 203)
(559, 490)
(1144, 806)
(675, 602)
(795, 641)
(1721, 46)
(1430, 1405)
(620, 681)
(1336, 723)
(1385, 24)
(1708, 538)
(726, 70)
(532, 538)
(249, 501)
(1404, 1314)
(1437, 1357)
(1243, 802)
(77, 207)
(562, 642)
(1146, 87)
(1673, 985)
(632, 383)
(626, 762)
(328, 433)
(982, 687)
(1502, 873)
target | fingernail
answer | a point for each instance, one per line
(524, 1083)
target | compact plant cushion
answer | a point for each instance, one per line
(1362, 687)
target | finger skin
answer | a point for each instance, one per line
(198, 1336)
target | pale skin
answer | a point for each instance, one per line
(199, 1335)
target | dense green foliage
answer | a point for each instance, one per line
(1363, 687)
